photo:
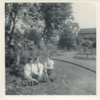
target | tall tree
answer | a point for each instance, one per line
(55, 15)
(11, 14)
(67, 39)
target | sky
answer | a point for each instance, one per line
(85, 14)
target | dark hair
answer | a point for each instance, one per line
(47, 56)
(36, 58)
(31, 26)
(29, 59)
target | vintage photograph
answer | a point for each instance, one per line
(50, 48)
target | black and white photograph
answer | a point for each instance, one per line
(50, 48)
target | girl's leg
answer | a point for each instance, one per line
(31, 79)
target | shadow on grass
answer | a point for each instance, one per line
(84, 58)
(78, 65)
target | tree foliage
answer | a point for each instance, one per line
(11, 17)
(30, 26)
(94, 44)
(55, 15)
(87, 46)
(67, 39)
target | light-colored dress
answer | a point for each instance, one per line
(49, 64)
(34, 69)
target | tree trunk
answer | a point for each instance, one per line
(12, 32)
(18, 59)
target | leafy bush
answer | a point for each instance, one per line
(28, 29)
(51, 48)
(94, 44)
(87, 46)
(66, 41)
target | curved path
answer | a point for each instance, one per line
(69, 57)
(78, 65)
(79, 80)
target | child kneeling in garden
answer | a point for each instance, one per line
(33, 71)
(49, 68)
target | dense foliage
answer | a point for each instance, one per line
(32, 28)
(67, 40)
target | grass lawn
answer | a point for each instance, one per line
(71, 80)
(76, 58)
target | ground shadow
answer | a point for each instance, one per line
(84, 58)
